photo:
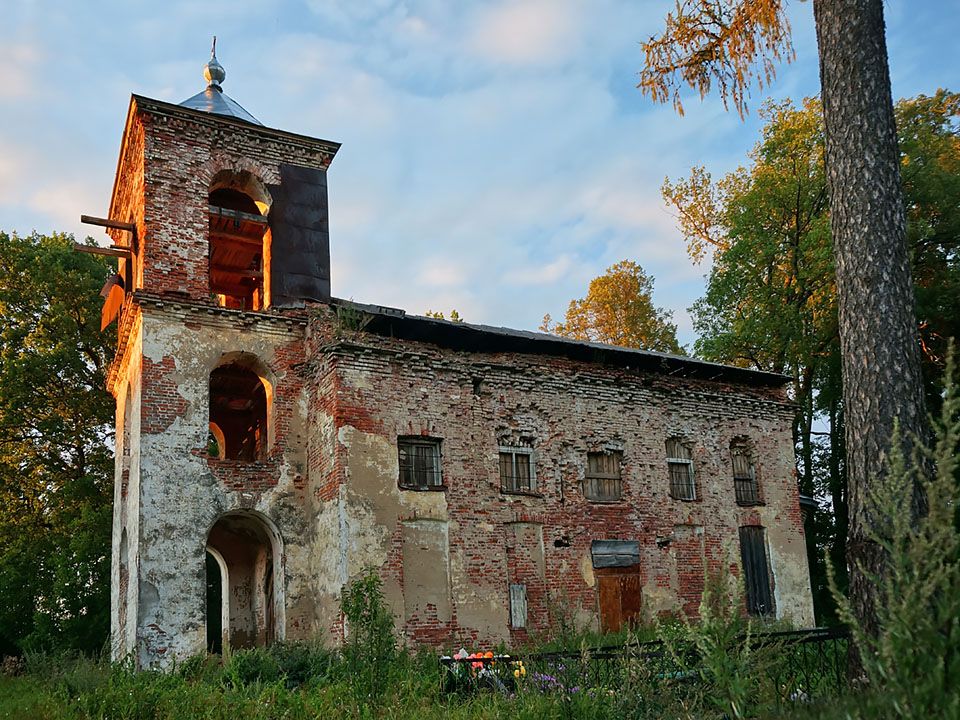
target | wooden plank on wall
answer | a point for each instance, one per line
(518, 605)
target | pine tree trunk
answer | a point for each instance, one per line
(838, 478)
(878, 333)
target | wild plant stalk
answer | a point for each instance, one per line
(914, 662)
(370, 649)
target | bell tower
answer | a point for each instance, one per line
(221, 226)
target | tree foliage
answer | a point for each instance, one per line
(619, 310)
(55, 447)
(771, 299)
(438, 315)
(716, 41)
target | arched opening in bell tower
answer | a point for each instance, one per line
(239, 252)
(244, 581)
(240, 399)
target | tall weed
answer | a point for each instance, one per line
(370, 650)
(914, 662)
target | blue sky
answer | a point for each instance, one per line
(496, 155)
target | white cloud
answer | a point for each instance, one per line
(19, 68)
(440, 272)
(526, 32)
(63, 201)
(539, 274)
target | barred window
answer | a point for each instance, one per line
(680, 465)
(744, 474)
(419, 463)
(602, 480)
(517, 470)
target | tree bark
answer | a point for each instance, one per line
(878, 331)
(838, 478)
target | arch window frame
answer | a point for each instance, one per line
(221, 436)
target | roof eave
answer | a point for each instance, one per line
(396, 323)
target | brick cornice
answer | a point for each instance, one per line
(159, 108)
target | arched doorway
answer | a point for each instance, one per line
(243, 558)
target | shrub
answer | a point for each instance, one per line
(302, 663)
(256, 665)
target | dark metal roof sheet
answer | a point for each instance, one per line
(615, 553)
(394, 322)
(213, 100)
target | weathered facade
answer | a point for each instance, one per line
(274, 441)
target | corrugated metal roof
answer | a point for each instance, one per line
(214, 100)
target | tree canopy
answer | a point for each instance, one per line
(56, 454)
(709, 42)
(618, 309)
(733, 41)
(771, 296)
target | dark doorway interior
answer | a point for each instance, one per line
(214, 606)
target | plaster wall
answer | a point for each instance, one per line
(182, 491)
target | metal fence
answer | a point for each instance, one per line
(796, 666)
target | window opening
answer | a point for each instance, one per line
(680, 465)
(238, 413)
(517, 471)
(756, 571)
(602, 480)
(419, 463)
(744, 474)
(237, 230)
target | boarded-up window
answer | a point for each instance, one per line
(518, 605)
(602, 481)
(756, 571)
(419, 463)
(517, 471)
(744, 474)
(680, 465)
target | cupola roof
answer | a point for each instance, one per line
(213, 99)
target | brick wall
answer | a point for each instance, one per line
(475, 402)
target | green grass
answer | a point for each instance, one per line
(296, 682)
(25, 697)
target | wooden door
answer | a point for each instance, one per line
(619, 597)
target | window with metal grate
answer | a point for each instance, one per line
(680, 466)
(744, 474)
(419, 463)
(517, 470)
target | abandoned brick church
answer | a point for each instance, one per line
(273, 441)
